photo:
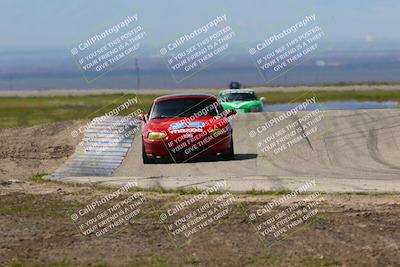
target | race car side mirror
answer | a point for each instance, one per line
(262, 99)
(230, 112)
(141, 117)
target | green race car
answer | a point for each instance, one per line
(242, 100)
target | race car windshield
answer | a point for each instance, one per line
(186, 107)
(239, 97)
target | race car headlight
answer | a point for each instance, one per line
(156, 135)
(217, 132)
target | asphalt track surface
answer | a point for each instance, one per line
(348, 151)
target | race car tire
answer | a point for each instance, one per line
(231, 154)
(146, 159)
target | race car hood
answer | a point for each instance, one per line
(240, 104)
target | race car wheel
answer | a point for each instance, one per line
(231, 154)
(146, 159)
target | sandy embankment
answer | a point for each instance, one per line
(38, 149)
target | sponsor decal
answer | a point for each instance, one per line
(177, 126)
(196, 124)
(183, 127)
(188, 130)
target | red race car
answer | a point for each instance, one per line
(181, 127)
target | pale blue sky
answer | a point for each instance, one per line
(48, 24)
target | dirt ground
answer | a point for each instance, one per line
(38, 149)
(37, 229)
